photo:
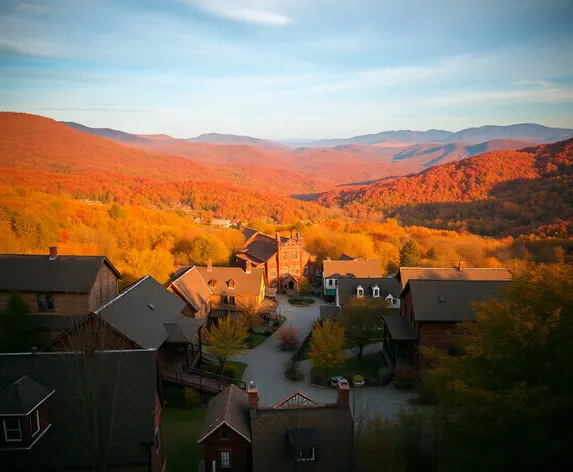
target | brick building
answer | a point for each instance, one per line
(298, 433)
(284, 260)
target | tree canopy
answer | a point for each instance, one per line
(326, 345)
(361, 318)
(226, 340)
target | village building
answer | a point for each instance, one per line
(430, 313)
(216, 292)
(44, 427)
(297, 433)
(144, 316)
(284, 259)
(370, 288)
(333, 271)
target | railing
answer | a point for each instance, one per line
(201, 380)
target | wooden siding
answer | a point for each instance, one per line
(104, 288)
(64, 303)
(238, 447)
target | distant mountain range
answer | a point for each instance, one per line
(217, 138)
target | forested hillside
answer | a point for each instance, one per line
(498, 193)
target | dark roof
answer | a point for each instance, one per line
(346, 288)
(329, 312)
(231, 407)
(261, 248)
(451, 273)
(22, 396)
(449, 300)
(399, 328)
(245, 284)
(146, 312)
(248, 232)
(345, 257)
(191, 287)
(351, 268)
(326, 427)
(127, 384)
(35, 273)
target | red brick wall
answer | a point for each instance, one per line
(238, 446)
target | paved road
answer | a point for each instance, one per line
(266, 366)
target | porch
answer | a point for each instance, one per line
(400, 340)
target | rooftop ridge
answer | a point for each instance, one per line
(128, 289)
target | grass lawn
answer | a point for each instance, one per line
(368, 368)
(241, 366)
(257, 339)
(181, 428)
(298, 302)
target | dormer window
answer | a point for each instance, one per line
(306, 454)
(24, 413)
(212, 283)
(231, 284)
(12, 430)
(360, 291)
(376, 291)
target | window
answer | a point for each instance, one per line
(331, 282)
(225, 459)
(231, 284)
(376, 291)
(157, 441)
(12, 431)
(212, 283)
(224, 435)
(285, 270)
(295, 256)
(317, 272)
(45, 302)
(359, 291)
(285, 256)
(35, 422)
(305, 270)
(306, 454)
(273, 272)
(297, 270)
(230, 299)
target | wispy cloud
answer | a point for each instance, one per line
(27, 48)
(100, 108)
(537, 83)
(32, 9)
(240, 10)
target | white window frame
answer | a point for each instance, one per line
(6, 429)
(157, 441)
(35, 421)
(223, 464)
(359, 292)
(376, 292)
(306, 459)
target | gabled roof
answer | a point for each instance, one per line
(22, 396)
(116, 376)
(146, 312)
(347, 287)
(449, 300)
(248, 233)
(37, 273)
(230, 407)
(191, 286)
(345, 257)
(297, 400)
(245, 284)
(452, 273)
(351, 268)
(259, 247)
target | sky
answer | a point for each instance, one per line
(298, 69)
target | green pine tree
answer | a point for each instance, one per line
(18, 333)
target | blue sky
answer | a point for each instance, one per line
(288, 68)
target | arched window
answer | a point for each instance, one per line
(375, 291)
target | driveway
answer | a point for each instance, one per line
(266, 365)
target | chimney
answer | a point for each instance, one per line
(53, 252)
(343, 388)
(253, 393)
(461, 265)
(209, 265)
(248, 267)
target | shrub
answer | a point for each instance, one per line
(230, 370)
(267, 332)
(358, 378)
(288, 338)
(213, 368)
(292, 371)
(173, 395)
(192, 397)
(276, 324)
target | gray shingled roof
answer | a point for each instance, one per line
(329, 312)
(345, 257)
(35, 273)
(248, 232)
(134, 373)
(191, 286)
(399, 327)
(231, 407)
(351, 268)
(451, 273)
(22, 396)
(245, 284)
(347, 287)
(144, 309)
(449, 300)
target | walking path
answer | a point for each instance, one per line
(266, 365)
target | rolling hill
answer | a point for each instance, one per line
(497, 193)
(216, 138)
